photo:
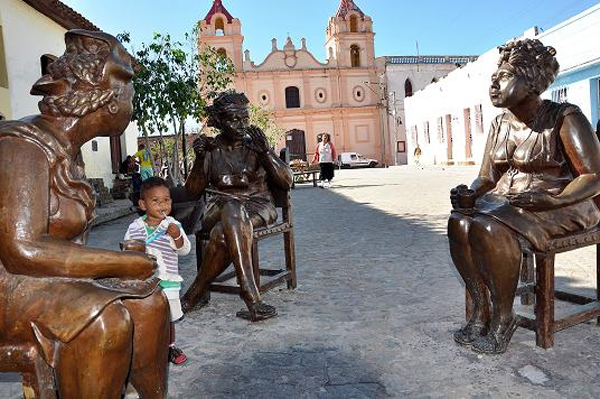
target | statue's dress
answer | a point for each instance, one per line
(533, 161)
(46, 309)
(237, 172)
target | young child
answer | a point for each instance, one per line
(165, 239)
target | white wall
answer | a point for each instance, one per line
(468, 86)
(28, 35)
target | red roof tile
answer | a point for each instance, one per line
(62, 14)
(218, 7)
(346, 6)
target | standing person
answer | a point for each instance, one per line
(166, 240)
(146, 169)
(325, 154)
(417, 155)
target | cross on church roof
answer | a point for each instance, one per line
(218, 7)
(346, 6)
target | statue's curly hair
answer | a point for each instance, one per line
(225, 102)
(531, 60)
(75, 85)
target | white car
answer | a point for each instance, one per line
(354, 160)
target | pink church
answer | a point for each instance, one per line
(310, 97)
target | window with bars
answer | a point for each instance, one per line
(440, 129)
(479, 118)
(426, 132)
(292, 97)
(414, 135)
(560, 95)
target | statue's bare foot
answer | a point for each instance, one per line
(187, 306)
(257, 311)
(469, 333)
(495, 343)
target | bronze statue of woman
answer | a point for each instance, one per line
(539, 175)
(51, 290)
(238, 167)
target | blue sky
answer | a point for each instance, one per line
(463, 27)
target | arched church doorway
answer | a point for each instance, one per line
(296, 144)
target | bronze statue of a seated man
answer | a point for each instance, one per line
(539, 175)
(237, 167)
(53, 289)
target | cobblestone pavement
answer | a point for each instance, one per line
(373, 313)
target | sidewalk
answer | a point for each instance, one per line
(112, 211)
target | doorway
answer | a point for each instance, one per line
(296, 144)
(449, 137)
(468, 136)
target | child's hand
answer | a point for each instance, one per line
(173, 231)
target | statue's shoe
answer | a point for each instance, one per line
(495, 343)
(467, 334)
(258, 311)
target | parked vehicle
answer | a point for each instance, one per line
(354, 160)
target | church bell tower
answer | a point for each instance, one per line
(223, 32)
(350, 37)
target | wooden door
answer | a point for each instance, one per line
(296, 144)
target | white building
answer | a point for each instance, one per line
(449, 120)
(403, 76)
(31, 33)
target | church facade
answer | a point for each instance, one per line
(310, 97)
(356, 98)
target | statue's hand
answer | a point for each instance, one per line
(142, 268)
(455, 193)
(260, 143)
(201, 145)
(535, 201)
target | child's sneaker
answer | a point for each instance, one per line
(176, 355)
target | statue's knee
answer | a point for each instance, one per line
(217, 235)
(157, 302)
(114, 326)
(459, 226)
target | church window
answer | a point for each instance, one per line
(353, 24)
(320, 95)
(292, 97)
(359, 94)
(222, 51)
(408, 90)
(354, 55)
(219, 27)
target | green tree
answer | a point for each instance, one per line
(265, 119)
(173, 83)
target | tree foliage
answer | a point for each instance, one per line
(265, 119)
(173, 83)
